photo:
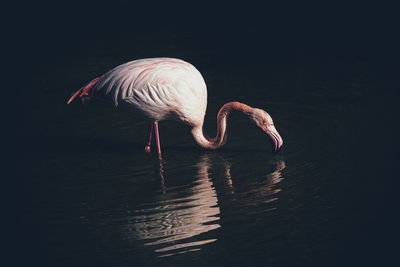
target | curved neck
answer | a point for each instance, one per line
(213, 143)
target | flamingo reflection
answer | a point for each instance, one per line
(184, 221)
(178, 220)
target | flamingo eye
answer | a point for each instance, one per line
(265, 123)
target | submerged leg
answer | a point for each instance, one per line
(147, 147)
(157, 138)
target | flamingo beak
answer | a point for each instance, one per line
(276, 139)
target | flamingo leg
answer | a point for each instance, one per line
(147, 147)
(157, 138)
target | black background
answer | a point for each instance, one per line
(46, 35)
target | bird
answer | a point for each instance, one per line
(162, 88)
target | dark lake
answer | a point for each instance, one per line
(91, 196)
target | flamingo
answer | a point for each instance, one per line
(168, 88)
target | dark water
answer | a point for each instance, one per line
(92, 197)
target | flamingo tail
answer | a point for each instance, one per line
(86, 90)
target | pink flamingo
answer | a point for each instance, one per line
(168, 88)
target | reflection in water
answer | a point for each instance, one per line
(178, 225)
(178, 220)
(228, 178)
(272, 179)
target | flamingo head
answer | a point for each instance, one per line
(264, 121)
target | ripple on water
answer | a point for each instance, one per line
(185, 214)
(175, 225)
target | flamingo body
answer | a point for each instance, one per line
(158, 88)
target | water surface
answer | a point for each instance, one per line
(95, 198)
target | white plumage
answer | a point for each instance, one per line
(155, 86)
